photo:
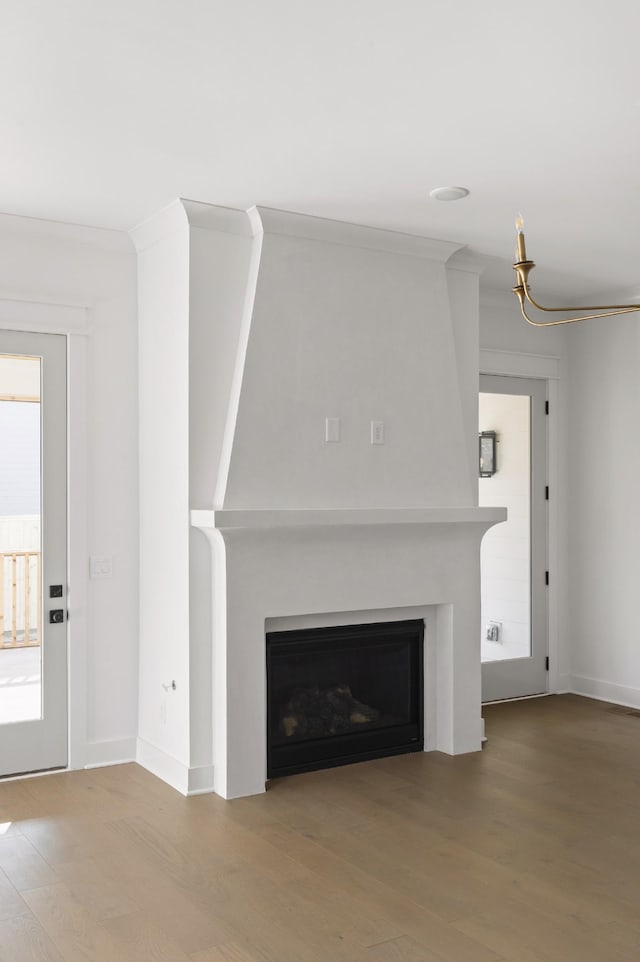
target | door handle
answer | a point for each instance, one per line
(56, 616)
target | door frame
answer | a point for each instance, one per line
(545, 368)
(72, 321)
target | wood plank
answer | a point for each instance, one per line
(22, 864)
(22, 939)
(68, 924)
(142, 940)
(11, 902)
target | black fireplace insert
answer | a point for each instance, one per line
(343, 694)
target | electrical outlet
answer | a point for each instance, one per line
(332, 429)
(377, 432)
(101, 567)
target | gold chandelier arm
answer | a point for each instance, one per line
(568, 320)
(610, 308)
(523, 268)
(530, 320)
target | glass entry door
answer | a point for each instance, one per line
(33, 553)
(513, 557)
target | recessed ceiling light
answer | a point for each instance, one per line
(448, 193)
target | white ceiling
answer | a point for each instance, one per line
(351, 109)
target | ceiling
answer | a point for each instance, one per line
(350, 109)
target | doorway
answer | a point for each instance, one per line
(514, 633)
(33, 552)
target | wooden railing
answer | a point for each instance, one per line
(20, 599)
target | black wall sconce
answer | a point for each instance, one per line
(487, 451)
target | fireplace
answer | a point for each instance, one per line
(343, 694)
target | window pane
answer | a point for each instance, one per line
(20, 540)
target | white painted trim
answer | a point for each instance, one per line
(467, 260)
(187, 781)
(38, 317)
(226, 220)
(96, 238)
(353, 235)
(162, 765)
(554, 595)
(200, 780)
(330, 517)
(119, 751)
(78, 576)
(604, 691)
(563, 685)
(166, 221)
(544, 367)
(184, 213)
(509, 364)
(240, 360)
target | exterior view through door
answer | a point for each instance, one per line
(33, 568)
(513, 559)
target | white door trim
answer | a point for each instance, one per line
(73, 321)
(547, 368)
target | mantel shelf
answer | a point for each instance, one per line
(331, 517)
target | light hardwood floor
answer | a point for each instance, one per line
(528, 851)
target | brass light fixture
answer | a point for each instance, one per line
(523, 267)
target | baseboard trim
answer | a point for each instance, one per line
(604, 691)
(188, 781)
(113, 752)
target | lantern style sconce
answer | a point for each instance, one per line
(487, 450)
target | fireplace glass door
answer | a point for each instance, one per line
(337, 695)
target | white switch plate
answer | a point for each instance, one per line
(101, 567)
(332, 429)
(377, 432)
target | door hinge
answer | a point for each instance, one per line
(546, 407)
(546, 663)
(546, 578)
(546, 492)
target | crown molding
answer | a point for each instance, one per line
(322, 229)
(166, 221)
(467, 260)
(227, 220)
(42, 317)
(182, 214)
(33, 228)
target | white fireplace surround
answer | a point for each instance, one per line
(254, 328)
(275, 570)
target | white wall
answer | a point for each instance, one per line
(352, 323)
(50, 273)
(506, 548)
(604, 518)
(192, 281)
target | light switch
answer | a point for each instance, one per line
(377, 432)
(101, 567)
(332, 429)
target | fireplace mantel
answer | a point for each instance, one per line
(256, 518)
(339, 567)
